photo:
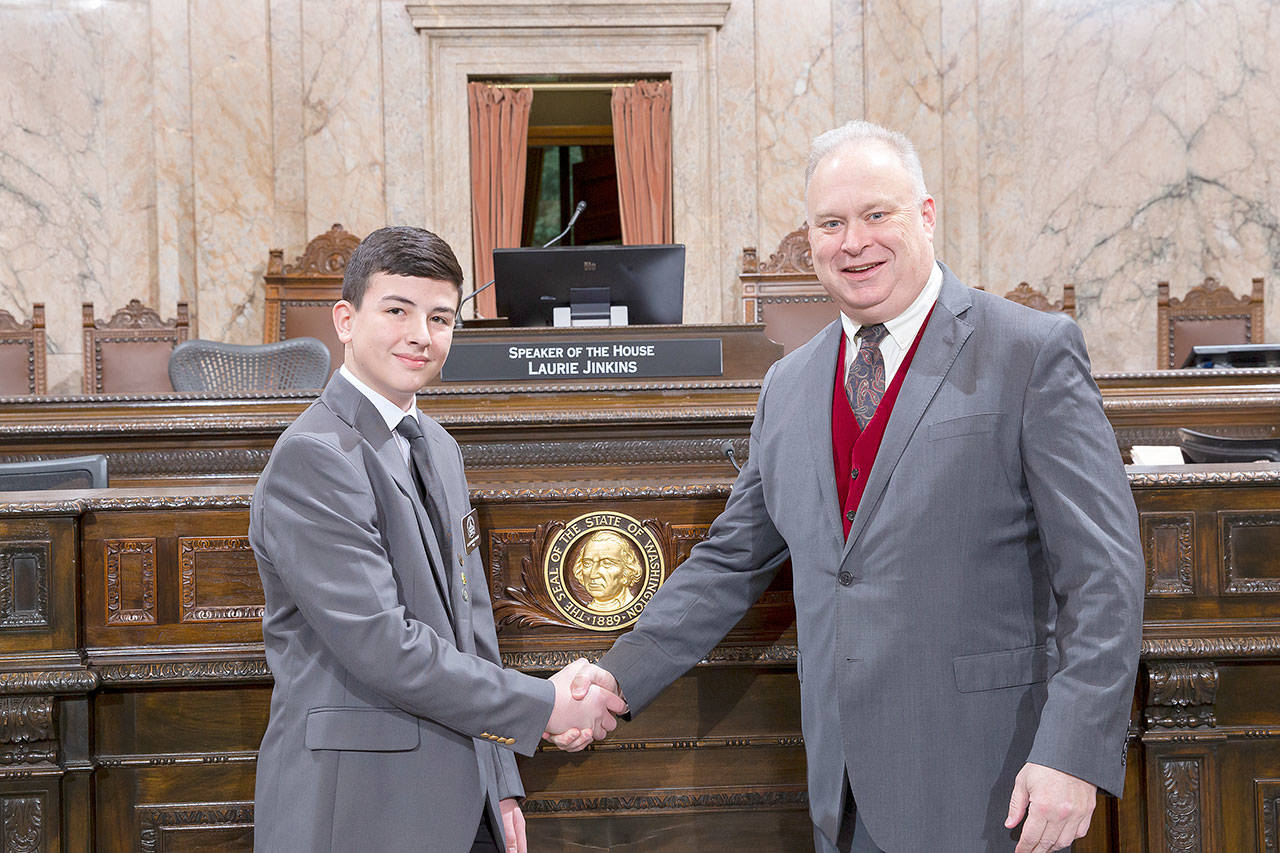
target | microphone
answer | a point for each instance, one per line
(577, 211)
(726, 447)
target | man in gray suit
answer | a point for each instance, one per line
(392, 720)
(967, 574)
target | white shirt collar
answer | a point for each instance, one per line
(391, 413)
(904, 328)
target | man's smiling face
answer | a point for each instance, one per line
(870, 236)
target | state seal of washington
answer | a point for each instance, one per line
(601, 569)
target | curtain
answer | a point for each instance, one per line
(499, 137)
(642, 147)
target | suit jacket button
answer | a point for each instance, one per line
(461, 561)
(845, 578)
(849, 515)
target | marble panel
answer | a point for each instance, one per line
(1233, 171)
(343, 111)
(232, 165)
(957, 238)
(405, 117)
(173, 232)
(738, 171)
(794, 78)
(849, 85)
(289, 227)
(54, 185)
(1104, 166)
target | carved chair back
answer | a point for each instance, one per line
(22, 348)
(1025, 294)
(129, 353)
(783, 292)
(300, 296)
(1209, 314)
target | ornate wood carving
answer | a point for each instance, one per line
(793, 255)
(24, 584)
(553, 659)
(622, 452)
(1268, 814)
(24, 719)
(57, 681)
(134, 323)
(192, 611)
(231, 821)
(22, 823)
(1181, 694)
(28, 335)
(1203, 478)
(1180, 778)
(1233, 526)
(1211, 647)
(125, 560)
(1207, 302)
(1166, 541)
(326, 254)
(241, 669)
(1024, 294)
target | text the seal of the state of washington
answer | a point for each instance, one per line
(601, 569)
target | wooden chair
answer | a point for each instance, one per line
(1209, 314)
(22, 348)
(1025, 294)
(784, 293)
(300, 296)
(129, 353)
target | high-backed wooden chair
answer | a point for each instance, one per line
(1208, 315)
(1025, 294)
(129, 353)
(22, 347)
(300, 296)
(784, 293)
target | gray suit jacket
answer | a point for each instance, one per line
(389, 699)
(992, 610)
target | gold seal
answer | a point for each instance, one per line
(601, 570)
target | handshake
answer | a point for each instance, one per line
(587, 703)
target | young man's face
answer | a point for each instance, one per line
(397, 340)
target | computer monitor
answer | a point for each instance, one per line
(1203, 447)
(1234, 355)
(648, 280)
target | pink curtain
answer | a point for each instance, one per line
(642, 147)
(499, 137)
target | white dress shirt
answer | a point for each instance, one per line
(902, 329)
(391, 413)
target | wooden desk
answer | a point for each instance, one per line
(133, 686)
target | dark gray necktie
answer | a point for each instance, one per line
(430, 487)
(865, 383)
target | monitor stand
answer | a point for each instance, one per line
(589, 306)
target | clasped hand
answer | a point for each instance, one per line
(586, 706)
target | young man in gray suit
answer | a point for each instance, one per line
(392, 720)
(967, 574)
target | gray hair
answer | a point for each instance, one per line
(861, 132)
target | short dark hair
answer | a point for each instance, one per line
(399, 250)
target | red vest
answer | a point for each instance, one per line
(852, 449)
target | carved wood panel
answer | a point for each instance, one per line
(195, 826)
(1181, 694)
(1250, 541)
(24, 584)
(130, 569)
(1181, 782)
(22, 827)
(1268, 814)
(1167, 545)
(218, 580)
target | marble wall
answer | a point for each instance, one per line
(158, 149)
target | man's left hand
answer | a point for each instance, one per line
(513, 825)
(1061, 807)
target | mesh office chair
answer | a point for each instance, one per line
(69, 472)
(294, 364)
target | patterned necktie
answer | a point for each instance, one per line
(430, 489)
(864, 386)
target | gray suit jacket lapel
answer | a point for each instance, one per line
(352, 406)
(819, 374)
(940, 345)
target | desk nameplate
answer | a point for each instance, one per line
(632, 358)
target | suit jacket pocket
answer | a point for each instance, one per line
(967, 425)
(363, 729)
(1007, 668)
